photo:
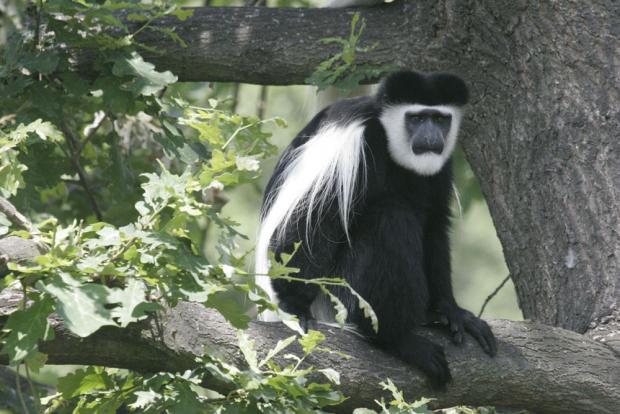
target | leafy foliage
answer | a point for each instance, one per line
(397, 405)
(121, 176)
(342, 70)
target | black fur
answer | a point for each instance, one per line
(398, 258)
(426, 89)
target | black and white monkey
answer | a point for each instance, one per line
(366, 188)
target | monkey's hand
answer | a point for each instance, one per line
(460, 321)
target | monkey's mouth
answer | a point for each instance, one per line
(424, 146)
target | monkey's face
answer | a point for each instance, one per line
(421, 137)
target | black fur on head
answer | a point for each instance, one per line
(420, 88)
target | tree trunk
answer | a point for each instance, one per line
(547, 143)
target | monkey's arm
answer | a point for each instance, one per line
(438, 270)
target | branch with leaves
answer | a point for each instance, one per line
(126, 283)
(531, 358)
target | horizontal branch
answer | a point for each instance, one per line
(538, 367)
(15, 217)
(282, 46)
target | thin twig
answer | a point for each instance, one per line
(492, 295)
(18, 389)
(262, 102)
(35, 392)
(37, 29)
(100, 117)
(235, 98)
(72, 143)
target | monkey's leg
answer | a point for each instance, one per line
(296, 298)
(315, 257)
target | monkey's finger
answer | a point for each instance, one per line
(476, 332)
(487, 341)
(458, 337)
(458, 332)
(490, 339)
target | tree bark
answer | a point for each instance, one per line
(546, 151)
(546, 370)
(542, 133)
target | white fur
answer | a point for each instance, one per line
(399, 142)
(322, 170)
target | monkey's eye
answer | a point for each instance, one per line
(437, 116)
(414, 118)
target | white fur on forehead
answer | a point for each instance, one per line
(399, 142)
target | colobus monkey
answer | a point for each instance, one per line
(366, 188)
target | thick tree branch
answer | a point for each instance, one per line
(15, 217)
(281, 46)
(541, 368)
(544, 369)
(16, 248)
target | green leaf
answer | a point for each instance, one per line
(367, 309)
(341, 311)
(44, 62)
(114, 99)
(331, 374)
(147, 81)
(280, 346)
(81, 306)
(36, 361)
(26, 328)
(43, 129)
(131, 303)
(11, 178)
(310, 341)
(83, 381)
(183, 14)
(246, 345)
(291, 321)
(145, 398)
(230, 305)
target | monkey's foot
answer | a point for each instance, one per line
(427, 356)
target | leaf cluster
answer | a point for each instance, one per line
(122, 176)
(342, 70)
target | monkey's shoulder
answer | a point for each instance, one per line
(348, 110)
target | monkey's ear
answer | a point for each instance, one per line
(450, 88)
